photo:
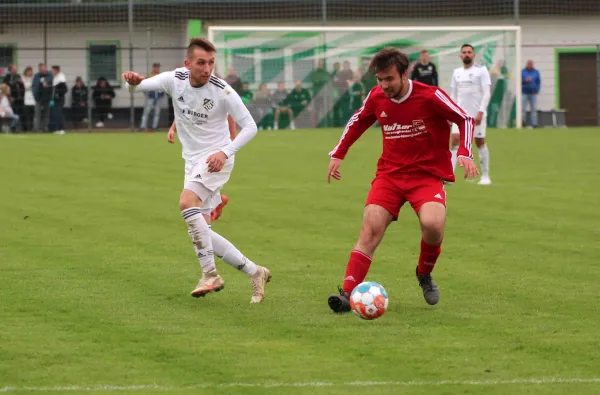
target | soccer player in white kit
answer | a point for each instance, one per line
(470, 89)
(202, 103)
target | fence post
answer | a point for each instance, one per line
(516, 11)
(131, 101)
(46, 43)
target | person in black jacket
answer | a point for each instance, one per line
(103, 96)
(57, 104)
(79, 103)
(42, 92)
(425, 71)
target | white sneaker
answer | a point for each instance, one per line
(210, 282)
(99, 124)
(60, 132)
(485, 180)
(259, 280)
(109, 115)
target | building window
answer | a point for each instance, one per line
(104, 60)
(8, 55)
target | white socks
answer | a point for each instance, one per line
(484, 161)
(454, 151)
(199, 231)
(224, 249)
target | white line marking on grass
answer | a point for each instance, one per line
(104, 388)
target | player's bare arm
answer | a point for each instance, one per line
(232, 127)
(172, 132)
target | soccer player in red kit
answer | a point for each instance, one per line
(416, 162)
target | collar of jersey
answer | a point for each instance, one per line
(403, 98)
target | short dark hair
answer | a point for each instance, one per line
(200, 43)
(424, 51)
(467, 46)
(387, 58)
(55, 67)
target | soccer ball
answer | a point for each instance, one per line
(369, 300)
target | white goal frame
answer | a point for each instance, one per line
(377, 29)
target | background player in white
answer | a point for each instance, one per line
(470, 89)
(202, 103)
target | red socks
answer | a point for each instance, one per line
(428, 257)
(356, 270)
(359, 263)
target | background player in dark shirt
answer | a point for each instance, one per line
(425, 71)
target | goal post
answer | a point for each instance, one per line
(272, 55)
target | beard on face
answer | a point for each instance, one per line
(467, 60)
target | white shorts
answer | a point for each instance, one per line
(479, 129)
(207, 186)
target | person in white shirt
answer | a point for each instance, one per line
(471, 89)
(202, 103)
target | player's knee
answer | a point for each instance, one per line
(432, 217)
(188, 200)
(370, 236)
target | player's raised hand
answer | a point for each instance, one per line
(216, 162)
(132, 78)
(471, 170)
(334, 166)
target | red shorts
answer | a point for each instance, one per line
(391, 192)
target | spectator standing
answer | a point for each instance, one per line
(153, 103)
(57, 104)
(29, 100)
(531, 84)
(42, 92)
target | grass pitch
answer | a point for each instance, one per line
(96, 269)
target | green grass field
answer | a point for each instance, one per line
(96, 269)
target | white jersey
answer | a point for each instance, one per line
(470, 88)
(201, 113)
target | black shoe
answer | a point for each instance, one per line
(340, 303)
(431, 293)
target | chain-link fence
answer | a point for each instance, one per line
(99, 39)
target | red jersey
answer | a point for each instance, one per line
(416, 134)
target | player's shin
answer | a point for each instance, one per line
(199, 231)
(484, 161)
(432, 217)
(356, 270)
(230, 254)
(428, 257)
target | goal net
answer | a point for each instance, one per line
(330, 63)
